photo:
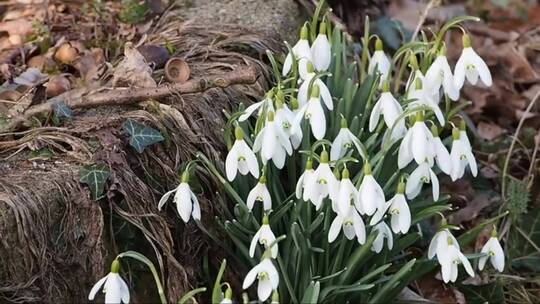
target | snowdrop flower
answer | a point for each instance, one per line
(351, 223)
(285, 118)
(449, 259)
(241, 158)
(399, 210)
(227, 299)
(439, 242)
(380, 61)
(304, 88)
(390, 109)
(321, 183)
(300, 50)
(302, 181)
(261, 105)
(114, 287)
(461, 156)
(417, 144)
(494, 252)
(267, 275)
(422, 97)
(442, 157)
(186, 202)
(383, 233)
(259, 193)
(439, 73)
(321, 50)
(272, 142)
(345, 141)
(348, 195)
(420, 176)
(470, 66)
(370, 194)
(265, 237)
(314, 113)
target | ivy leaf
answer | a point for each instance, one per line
(95, 177)
(141, 136)
(61, 110)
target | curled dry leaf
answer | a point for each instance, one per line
(19, 26)
(489, 131)
(66, 53)
(89, 64)
(177, 70)
(30, 77)
(40, 62)
(133, 70)
(154, 54)
(57, 85)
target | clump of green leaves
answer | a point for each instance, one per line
(518, 197)
(133, 11)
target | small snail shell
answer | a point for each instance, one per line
(177, 70)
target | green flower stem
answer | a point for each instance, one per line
(141, 258)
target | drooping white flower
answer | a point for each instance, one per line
(420, 176)
(348, 195)
(344, 141)
(285, 118)
(439, 73)
(260, 106)
(370, 193)
(417, 144)
(260, 193)
(495, 254)
(272, 142)
(439, 242)
(471, 66)
(314, 113)
(461, 156)
(186, 201)
(390, 109)
(265, 237)
(241, 158)
(398, 208)
(322, 183)
(351, 223)
(302, 181)
(422, 97)
(449, 259)
(267, 275)
(380, 61)
(303, 90)
(321, 50)
(114, 287)
(300, 50)
(442, 156)
(383, 233)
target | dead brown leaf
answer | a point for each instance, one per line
(133, 70)
(489, 131)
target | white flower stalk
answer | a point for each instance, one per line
(227, 299)
(344, 141)
(397, 207)
(260, 193)
(265, 103)
(420, 176)
(370, 193)
(272, 142)
(348, 195)
(417, 144)
(300, 50)
(449, 259)
(439, 73)
(304, 178)
(379, 61)
(422, 97)
(241, 158)
(495, 253)
(383, 232)
(186, 201)
(321, 184)
(303, 94)
(314, 113)
(267, 275)
(352, 225)
(471, 66)
(390, 109)
(265, 237)
(285, 118)
(439, 242)
(461, 156)
(114, 287)
(321, 50)
(442, 156)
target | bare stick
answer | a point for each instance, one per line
(76, 99)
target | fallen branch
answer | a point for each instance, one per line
(80, 98)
